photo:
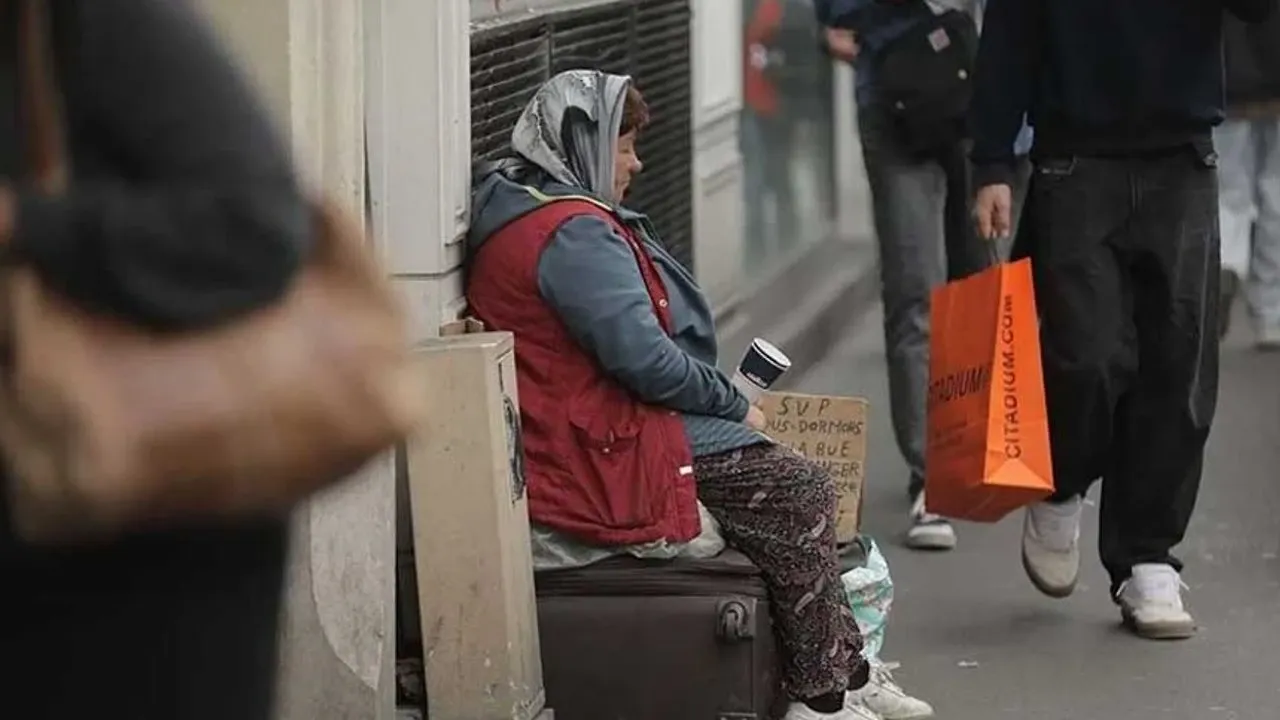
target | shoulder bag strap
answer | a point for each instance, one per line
(44, 142)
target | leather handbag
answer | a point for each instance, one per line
(109, 429)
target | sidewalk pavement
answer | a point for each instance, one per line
(979, 643)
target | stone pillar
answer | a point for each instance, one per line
(419, 139)
(718, 174)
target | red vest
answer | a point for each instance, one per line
(601, 466)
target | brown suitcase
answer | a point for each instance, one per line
(629, 639)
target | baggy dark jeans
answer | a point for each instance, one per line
(1125, 256)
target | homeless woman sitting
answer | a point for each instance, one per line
(627, 421)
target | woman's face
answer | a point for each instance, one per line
(625, 164)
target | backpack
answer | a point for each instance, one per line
(925, 80)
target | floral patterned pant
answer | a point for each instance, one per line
(779, 509)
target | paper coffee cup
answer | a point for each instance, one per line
(761, 366)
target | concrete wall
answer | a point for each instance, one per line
(419, 123)
(852, 192)
(718, 174)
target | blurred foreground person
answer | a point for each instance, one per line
(1249, 145)
(627, 421)
(1122, 226)
(183, 212)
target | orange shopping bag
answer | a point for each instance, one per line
(987, 452)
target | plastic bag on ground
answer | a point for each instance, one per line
(869, 590)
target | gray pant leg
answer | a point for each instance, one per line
(1237, 148)
(1264, 278)
(908, 199)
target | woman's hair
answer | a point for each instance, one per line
(635, 111)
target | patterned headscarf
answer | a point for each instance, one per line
(570, 129)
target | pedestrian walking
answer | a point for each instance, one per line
(919, 180)
(1122, 226)
(783, 94)
(1249, 172)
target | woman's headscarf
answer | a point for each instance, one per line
(570, 129)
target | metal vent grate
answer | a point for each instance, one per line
(662, 67)
(507, 68)
(647, 39)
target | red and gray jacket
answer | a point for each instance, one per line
(607, 458)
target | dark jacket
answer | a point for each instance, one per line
(877, 23)
(1099, 76)
(1252, 61)
(183, 211)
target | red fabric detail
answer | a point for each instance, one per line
(601, 465)
(759, 91)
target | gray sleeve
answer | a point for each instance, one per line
(589, 275)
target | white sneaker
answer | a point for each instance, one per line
(886, 698)
(800, 711)
(1268, 337)
(929, 531)
(1051, 546)
(1151, 603)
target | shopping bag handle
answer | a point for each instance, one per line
(993, 252)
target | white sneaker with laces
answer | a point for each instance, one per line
(800, 711)
(1151, 603)
(928, 531)
(1051, 546)
(886, 698)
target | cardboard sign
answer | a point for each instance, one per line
(831, 431)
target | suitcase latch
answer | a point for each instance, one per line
(736, 620)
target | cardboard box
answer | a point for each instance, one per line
(471, 535)
(831, 431)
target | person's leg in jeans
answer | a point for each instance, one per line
(779, 509)
(1149, 489)
(908, 198)
(1264, 277)
(1237, 172)
(1074, 229)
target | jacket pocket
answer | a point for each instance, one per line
(607, 435)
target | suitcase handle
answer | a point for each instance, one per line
(735, 620)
